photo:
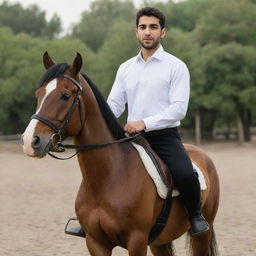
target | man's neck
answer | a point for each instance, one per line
(146, 53)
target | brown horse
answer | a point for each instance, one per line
(117, 203)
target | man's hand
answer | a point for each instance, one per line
(134, 127)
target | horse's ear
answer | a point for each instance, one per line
(77, 64)
(47, 60)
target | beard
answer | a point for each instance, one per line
(150, 46)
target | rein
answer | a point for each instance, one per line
(61, 147)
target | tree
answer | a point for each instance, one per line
(228, 43)
(95, 24)
(31, 21)
(228, 21)
(53, 28)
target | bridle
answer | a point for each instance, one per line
(69, 113)
(59, 146)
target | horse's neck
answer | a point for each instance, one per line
(96, 165)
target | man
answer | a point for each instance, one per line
(155, 85)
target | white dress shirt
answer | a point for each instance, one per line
(156, 90)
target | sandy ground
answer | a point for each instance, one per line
(37, 197)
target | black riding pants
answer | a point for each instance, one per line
(167, 144)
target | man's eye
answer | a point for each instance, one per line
(65, 96)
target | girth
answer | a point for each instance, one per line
(167, 179)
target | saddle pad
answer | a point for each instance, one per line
(153, 173)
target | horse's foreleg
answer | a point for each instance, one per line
(97, 248)
(162, 250)
(137, 244)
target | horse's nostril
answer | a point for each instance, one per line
(36, 143)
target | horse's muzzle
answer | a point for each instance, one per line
(39, 145)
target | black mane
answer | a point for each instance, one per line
(53, 72)
(116, 129)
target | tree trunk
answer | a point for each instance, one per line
(208, 118)
(228, 133)
(198, 127)
(240, 131)
(247, 124)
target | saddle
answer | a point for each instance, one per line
(159, 172)
(161, 167)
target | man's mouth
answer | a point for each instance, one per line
(147, 39)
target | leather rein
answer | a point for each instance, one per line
(60, 147)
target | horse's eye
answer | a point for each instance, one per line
(65, 96)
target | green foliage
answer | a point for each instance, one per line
(228, 21)
(21, 67)
(227, 39)
(95, 24)
(31, 21)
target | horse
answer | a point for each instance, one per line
(117, 203)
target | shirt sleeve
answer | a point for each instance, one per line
(117, 97)
(178, 98)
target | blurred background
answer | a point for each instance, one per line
(216, 39)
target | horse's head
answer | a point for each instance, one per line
(58, 112)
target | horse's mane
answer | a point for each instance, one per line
(117, 131)
(52, 72)
(113, 125)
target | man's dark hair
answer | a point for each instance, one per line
(149, 11)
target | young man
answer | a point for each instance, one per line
(155, 85)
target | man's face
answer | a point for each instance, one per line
(149, 32)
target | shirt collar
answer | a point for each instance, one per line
(158, 54)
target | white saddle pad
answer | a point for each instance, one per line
(153, 173)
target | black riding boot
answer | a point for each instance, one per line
(192, 202)
(198, 225)
(73, 229)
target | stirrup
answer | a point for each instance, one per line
(74, 230)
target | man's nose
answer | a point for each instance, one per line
(147, 31)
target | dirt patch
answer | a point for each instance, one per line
(37, 197)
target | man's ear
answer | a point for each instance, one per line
(136, 32)
(163, 32)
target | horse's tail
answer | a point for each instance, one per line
(213, 249)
